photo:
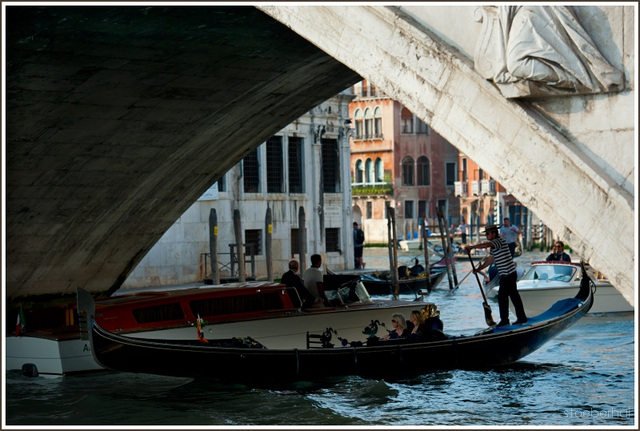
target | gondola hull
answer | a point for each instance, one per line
(243, 360)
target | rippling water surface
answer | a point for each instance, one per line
(584, 377)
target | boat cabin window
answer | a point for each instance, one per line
(159, 313)
(236, 304)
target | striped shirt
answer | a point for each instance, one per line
(502, 257)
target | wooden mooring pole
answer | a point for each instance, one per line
(447, 260)
(269, 231)
(213, 246)
(425, 244)
(237, 227)
(302, 239)
(391, 223)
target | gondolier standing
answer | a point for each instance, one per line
(499, 252)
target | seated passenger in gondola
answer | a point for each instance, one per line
(400, 330)
(421, 329)
(416, 325)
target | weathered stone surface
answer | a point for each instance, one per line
(118, 119)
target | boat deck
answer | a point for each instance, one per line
(56, 334)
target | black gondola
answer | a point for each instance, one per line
(247, 361)
(381, 285)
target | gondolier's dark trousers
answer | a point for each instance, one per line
(509, 289)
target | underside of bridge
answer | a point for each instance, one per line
(119, 118)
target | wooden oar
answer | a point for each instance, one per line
(465, 277)
(487, 309)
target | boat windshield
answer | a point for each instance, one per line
(344, 294)
(563, 273)
(363, 294)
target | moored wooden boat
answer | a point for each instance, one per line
(412, 280)
(245, 359)
(378, 284)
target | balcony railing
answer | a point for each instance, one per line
(369, 137)
(489, 187)
(478, 188)
(475, 188)
(372, 189)
(461, 189)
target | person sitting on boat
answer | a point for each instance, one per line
(400, 329)
(416, 320)
(421, 329)
(292, 279)
(493, 271)
(519, 271)
(416, 269)
(558, 254)
(313, 281)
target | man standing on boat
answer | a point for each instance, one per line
(313, 281)
(500, 253)
(510, 235)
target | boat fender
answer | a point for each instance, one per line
(30, 370)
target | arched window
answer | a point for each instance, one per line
(406, 123)
(359, 173)
(423, 174)
(379, 166)
(377, 122)
(359, 118)
(407, 171)
(368, 123)
(368, 171)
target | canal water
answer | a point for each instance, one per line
(584, 377)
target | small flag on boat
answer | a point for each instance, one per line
(20, 322)
(199, 324)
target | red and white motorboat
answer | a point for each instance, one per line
(267, 312)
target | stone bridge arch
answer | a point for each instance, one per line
(119, 118)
